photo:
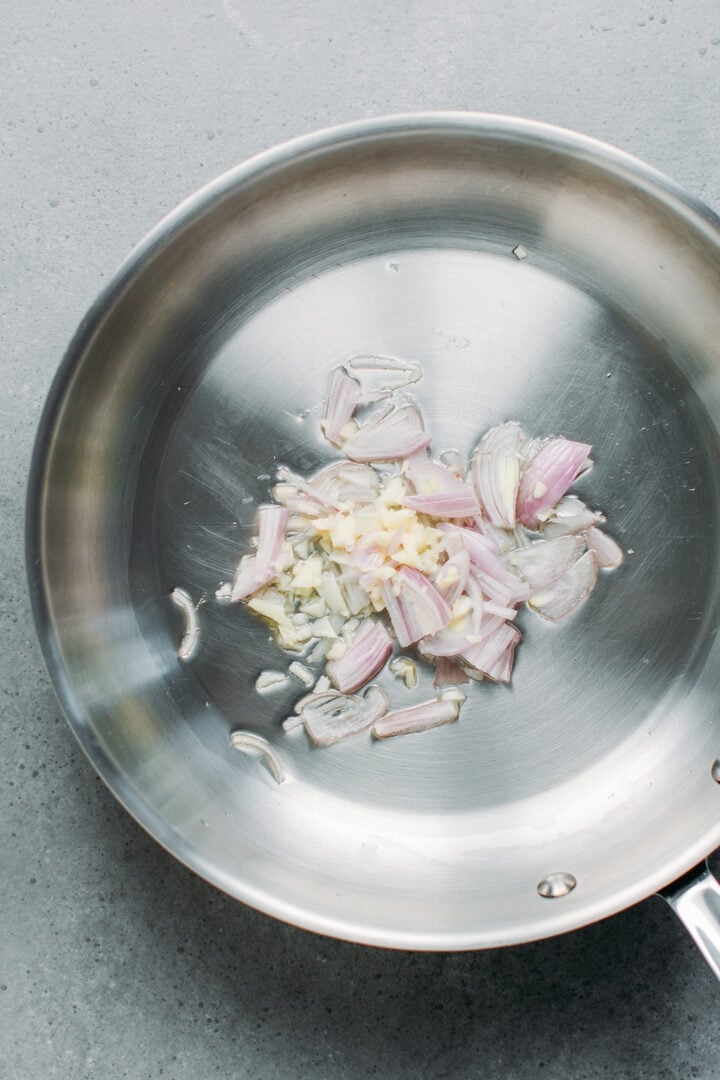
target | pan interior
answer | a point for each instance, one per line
(497, 341)
(596, 760)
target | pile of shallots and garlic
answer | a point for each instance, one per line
(390, 547)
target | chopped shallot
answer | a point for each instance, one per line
(608, 553)
(302, 673)
(485, 655)
(341, 482)
(388, 545)
(563, 596)
(506, 589)
(496, 473)
(409, 370)
(406, 669)
(417, 718)
(481, 549)
(332, 717)
(452, 576)
(491, 608)
(266, 680)
(454, 462)
(428, 477)
(463, 628)
(189, 642)
(544, 561)
(345, 481)
(249, 740)
(449, 504)
(344, 396)
(248, 579)
(256, 570)
(367, 653)
(547, 477)
(272, 522)
(571, 515)
(389, 435)
(416, 608)
(448, 673)
(451, 693)
(501, 670)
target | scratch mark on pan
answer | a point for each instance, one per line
(218, 533)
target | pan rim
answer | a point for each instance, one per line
(562, 918)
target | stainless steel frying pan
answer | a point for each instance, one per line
(594, 780)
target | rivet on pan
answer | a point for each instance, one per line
(555, 885)
(715, 770)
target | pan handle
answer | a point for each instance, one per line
(695, 899)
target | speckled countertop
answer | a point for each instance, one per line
(116, 961)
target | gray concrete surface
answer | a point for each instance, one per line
(114, 960)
